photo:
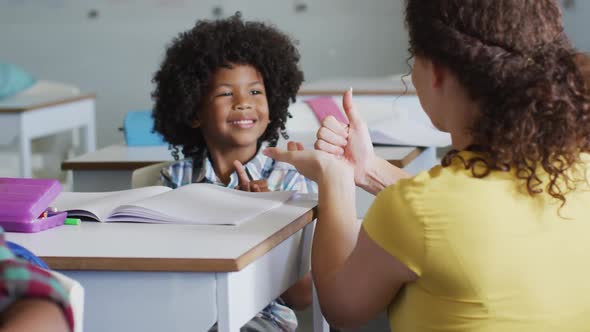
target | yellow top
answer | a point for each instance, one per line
(489, 256)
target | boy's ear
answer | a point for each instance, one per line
(196, 123)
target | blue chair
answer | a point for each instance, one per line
(138, 127)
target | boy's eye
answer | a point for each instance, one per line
(256, 92)
(224, 94)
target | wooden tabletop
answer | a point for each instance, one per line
(120, 246)
(371, 86)
(125, 158)
(19, 105)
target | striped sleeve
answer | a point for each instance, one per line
(177, 174)
(293, 180)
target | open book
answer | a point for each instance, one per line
(197, 203)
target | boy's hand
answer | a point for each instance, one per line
(244, 182)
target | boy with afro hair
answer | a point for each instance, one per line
(222, 95)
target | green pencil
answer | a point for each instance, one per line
(72, 221)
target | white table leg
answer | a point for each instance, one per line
(89, 132)
(24, 149)
(226, 317)
(306, 242)
(319, 323)
(241, 295)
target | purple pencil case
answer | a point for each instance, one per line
(23, 201)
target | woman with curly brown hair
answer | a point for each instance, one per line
(494, 239)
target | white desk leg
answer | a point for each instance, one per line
(319, 322)
(306, 242)
(89, 135)
(24, 149)
(226, 321)
(242, 294)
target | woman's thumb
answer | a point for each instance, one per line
(348, 106)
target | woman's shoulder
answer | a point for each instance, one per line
(437, 187)
(426, 181)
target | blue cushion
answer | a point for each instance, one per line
(13, 79)
(139, 126)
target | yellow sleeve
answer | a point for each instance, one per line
(392, 223)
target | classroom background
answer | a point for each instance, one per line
(112, 48)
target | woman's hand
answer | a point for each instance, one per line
(310, 163)
(244, 182)
(351, 142)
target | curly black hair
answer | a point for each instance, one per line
(515, 59)
(193, 56)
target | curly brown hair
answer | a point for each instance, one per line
(183, 78)
(583, 60)
(514, 58)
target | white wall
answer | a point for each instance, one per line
(577, 23)
(116, 53)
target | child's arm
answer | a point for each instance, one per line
(33, 315)
(31, 299)
(299, 296)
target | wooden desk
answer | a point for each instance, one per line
(166, 277)
(27, 117)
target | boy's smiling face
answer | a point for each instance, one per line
(235, 110)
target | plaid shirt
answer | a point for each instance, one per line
(280, 177)
(19, 279)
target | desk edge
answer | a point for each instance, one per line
(106, 166)
(181, 264)
(48, 104)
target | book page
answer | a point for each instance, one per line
(201, 203)
(99, 205)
